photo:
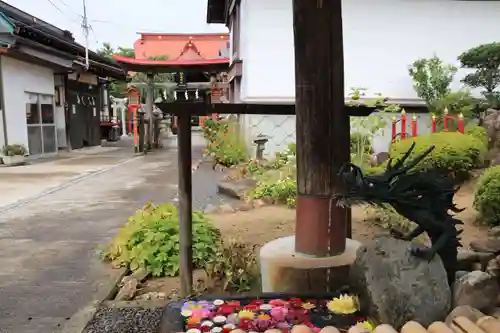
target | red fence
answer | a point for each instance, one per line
(446, 118)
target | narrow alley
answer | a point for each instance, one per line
(49, 245)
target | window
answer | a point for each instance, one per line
(40, 121)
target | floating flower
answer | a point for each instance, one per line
(193, 321)
(279, 313)
(277, 302)
(344, 304)
(308, 306)
(246, 314)
(263, 316)
(366, 324)
(251, 307)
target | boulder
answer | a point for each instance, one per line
(494, 232)
(395, 287)
(492, 124)
(236, 188)
(489, 245)
(476, 289)
(127, 291)
(467, 259)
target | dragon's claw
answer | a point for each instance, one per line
(426, 254)
(397, 234)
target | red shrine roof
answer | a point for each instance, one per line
(183, 50)
(207, 46)
(181, 62)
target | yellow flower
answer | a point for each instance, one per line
(308, 306)
(344, 304)
(366, 324)
(263, 316)
(246, 314)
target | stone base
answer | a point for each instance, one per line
(284, 270)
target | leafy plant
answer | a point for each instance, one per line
(226, 144)
(150, 239)
(457, 102)
(14, 150)
(234, 267)
(477, 132)
(431, 80)
(454, 152)
(485, 59)
(487, 196)
(364, 129)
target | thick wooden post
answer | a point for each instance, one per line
(185, 204)
(322, 126)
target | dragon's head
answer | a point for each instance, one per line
(374, 189)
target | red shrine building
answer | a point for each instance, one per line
(182, 46)
(190, 57)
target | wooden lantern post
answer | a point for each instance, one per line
(322, 125)
(134, 102)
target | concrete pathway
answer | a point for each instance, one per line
(21, 183)
(48, 263)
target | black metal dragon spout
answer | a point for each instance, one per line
(424, 197)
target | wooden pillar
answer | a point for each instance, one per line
(322, 126)
(149, 109)
(185, 203)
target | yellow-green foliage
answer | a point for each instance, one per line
(150, 239)
(487, 196)
(478, 132)
(454, 152)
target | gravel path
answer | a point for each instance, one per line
(125, 320)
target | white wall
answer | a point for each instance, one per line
(281, 131)
(381, 38)
(19, 77)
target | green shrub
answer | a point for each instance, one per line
(487, 196)
(478, 132)
(234, 268)
(150, 239)
(226, 144)
(454, 152)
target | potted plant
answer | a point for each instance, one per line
(14, 154)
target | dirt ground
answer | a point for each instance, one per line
(261, 225)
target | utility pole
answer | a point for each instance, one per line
(86, 28)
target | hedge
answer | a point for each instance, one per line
(487, 196)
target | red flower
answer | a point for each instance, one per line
(234, 304)
(205, 328)
(277, 302)
(251, 307)
(244, 324)
(226, 330)
(257, 302)
(226, 310)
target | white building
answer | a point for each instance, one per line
(37, 61)
(381, 39)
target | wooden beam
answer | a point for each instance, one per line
(322, 126)
(185, 204)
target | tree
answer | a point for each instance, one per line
(116, 88)
(485, 59)
(431, 80)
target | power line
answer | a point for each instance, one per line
(54, 5)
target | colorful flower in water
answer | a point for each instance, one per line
(263, 316)
(366, 324)
(193, 321)
(279, 313)
(308, 306)
(246, 314)
(344, 304)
